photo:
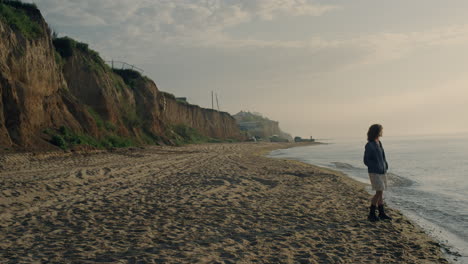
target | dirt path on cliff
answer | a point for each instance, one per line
(218, 203)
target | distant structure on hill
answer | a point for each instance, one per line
(260, 127)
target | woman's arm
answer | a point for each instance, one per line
(384, 158)
(368, 155)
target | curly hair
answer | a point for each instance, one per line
(374, 132)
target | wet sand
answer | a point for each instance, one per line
(214, 203)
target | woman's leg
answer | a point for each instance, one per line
(377, 197)
(380, 202)
(374, 202)
(382, 214)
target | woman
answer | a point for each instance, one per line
(377, 166)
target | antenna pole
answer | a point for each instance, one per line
(212, 102)
(217, 103)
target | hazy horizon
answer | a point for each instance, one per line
(327, 69)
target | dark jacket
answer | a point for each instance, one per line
(374, 158)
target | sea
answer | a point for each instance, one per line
(428, 180)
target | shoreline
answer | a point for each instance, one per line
(195, 204)
(450, 244)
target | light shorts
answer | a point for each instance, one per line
(378, 181)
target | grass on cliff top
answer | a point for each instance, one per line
(15, 14)
(130, 77)
(67, 47)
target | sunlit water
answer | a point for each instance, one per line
(428, 180)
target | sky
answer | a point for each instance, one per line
(327, 69)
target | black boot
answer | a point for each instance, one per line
(372, 217)
(382, 214)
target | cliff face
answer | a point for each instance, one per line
(160, 111)
(209, 122)
(48, 84)
(33, 92)
(95, 85)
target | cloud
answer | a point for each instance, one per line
(179, 17)
(132, 26)
(383, 47)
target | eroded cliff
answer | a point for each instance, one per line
(58, 90)
(161, 112)
(33, 92)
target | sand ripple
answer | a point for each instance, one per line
(218, 203)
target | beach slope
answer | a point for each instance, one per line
(214, 203)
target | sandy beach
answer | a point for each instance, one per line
(213, 203)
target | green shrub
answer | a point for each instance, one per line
(58, 59)
(59, 141)
(65, 138)
(117, 142)
(15, 14)
(82, 46)
(64, 46)
(110, 126)
(130, 77)
(150, 139)
(65, 131)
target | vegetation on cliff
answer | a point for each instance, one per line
(67, 47)
(182, 134)
(65, 138)
(15, 14)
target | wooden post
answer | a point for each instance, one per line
(217, 103)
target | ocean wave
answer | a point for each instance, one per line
(399, 181)
(342, 165)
